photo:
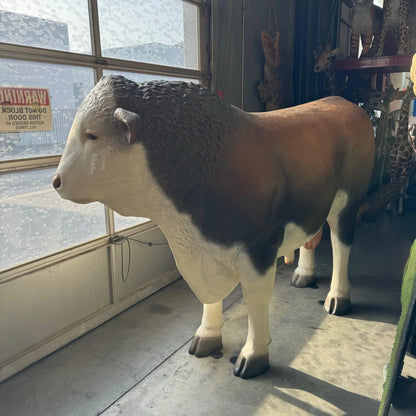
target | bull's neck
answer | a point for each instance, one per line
(137, 193)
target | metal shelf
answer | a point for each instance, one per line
(379, 64)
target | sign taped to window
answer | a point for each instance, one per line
(24, 109)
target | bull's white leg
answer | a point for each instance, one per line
(208, 338)
(338, 299)
(304, 274)
(257, 290)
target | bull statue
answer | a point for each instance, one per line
(232, 191)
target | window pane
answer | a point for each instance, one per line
(126, 222)
(35, 221)
(47, 24)
(136, 77)
(67, 87)
(161, 32)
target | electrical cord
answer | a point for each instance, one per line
(120, 240)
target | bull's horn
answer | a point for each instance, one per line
(131, 122)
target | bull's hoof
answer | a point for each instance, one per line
(336, 305)
(247, 367)
(302, 280)
(204, 347)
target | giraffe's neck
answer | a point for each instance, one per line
(402, 129)
(331, 82)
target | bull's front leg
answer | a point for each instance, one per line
(257, 290)
(208, 338)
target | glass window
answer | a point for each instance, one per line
(161, 32)
(51, 24)
(35, 221)
(136, 77)
(67, 87)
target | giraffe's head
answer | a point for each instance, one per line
(323, 58)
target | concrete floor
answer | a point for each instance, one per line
(137, 364)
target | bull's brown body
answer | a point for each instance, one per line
(231, 190)
(302, 156)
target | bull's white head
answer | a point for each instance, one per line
(99, 151)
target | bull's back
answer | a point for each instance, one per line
(322, 142)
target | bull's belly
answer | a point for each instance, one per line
(210, 268)
(294, 237)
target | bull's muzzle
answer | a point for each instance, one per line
(56, 181)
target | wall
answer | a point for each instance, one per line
(316, 23)
(45, 308)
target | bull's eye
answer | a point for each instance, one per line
(91, 136)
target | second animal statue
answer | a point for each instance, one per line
(366, 23)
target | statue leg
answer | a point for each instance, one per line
(304, 274)
(257, 290)
(354, 41)
(338, 301)
(208, 338)
(342, 226)
(366, 41)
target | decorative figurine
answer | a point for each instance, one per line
(231, 190)
(394, 31)
(366, 23)
(403, 152)
(324, 65)
(274, 91)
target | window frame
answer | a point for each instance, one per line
(98, 64)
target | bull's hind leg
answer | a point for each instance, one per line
(257, 290)
(208, 338)
(342, 223)
(304, 274)
(338, 301)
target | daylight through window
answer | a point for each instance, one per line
(51, 55)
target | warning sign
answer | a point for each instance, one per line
(24, 109)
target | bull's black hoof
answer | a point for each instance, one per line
(251, 367)
(335, 305)
(204, 347)
(301, 280)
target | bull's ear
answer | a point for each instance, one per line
(130, 122)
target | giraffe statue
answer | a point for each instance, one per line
(403, 152)
(395, 25)
(269, 89)
(274, 91)
(324, 65)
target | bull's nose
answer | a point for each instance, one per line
(56, 181)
